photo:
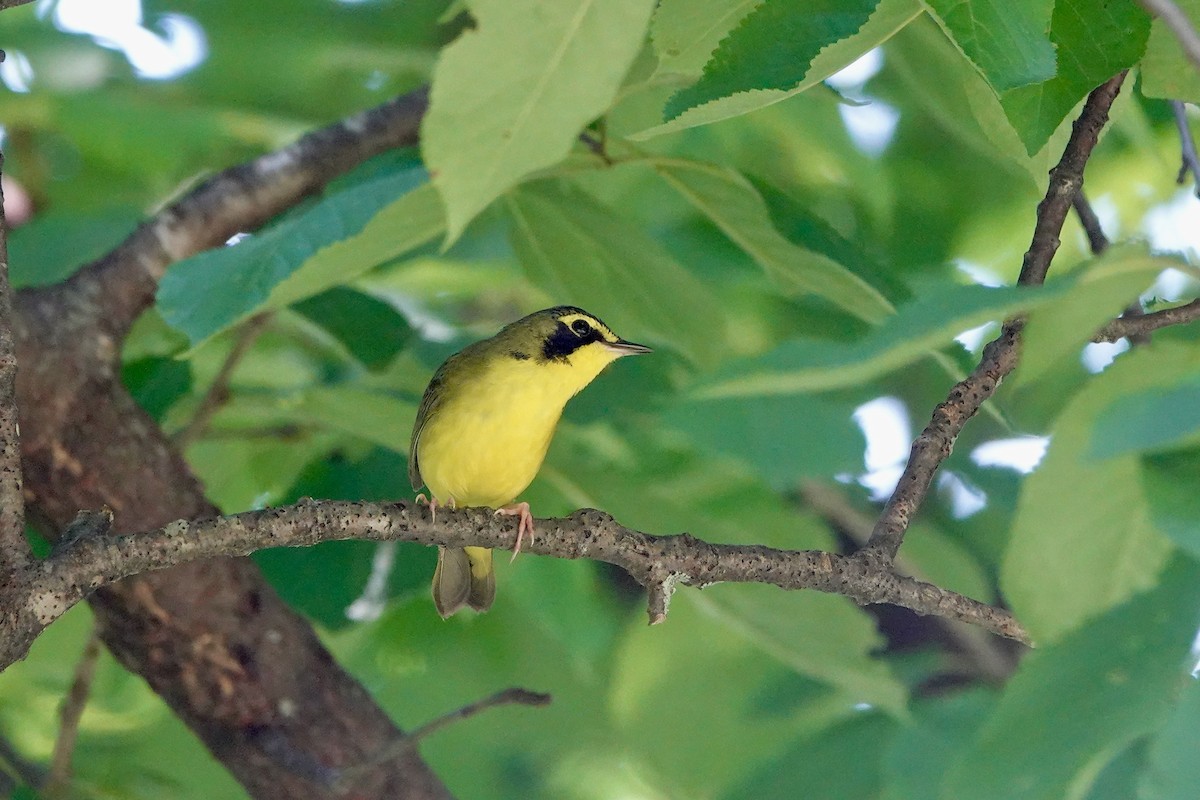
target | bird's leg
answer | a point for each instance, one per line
(524, 523)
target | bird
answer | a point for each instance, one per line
(484, 425)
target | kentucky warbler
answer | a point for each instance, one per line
(485, 423)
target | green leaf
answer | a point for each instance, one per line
(686, 32)
(821, 636)
(1167, 73)
(1150, 420)
(762, 431)
(837, 764)
(323, 580)
(1074, 553)
(510, 96)
(1105, 287)
(921, 753)
(927, 323)
(773, 48)
(1078, 700)
(156, 383)
(1101, 40)
(1174, 771)
(580, 252)
(51, 246)
(889, 17)
(395, 230)
(372, 330)
(330, 243)
(1170, 481)
(1006, 40)
(736, 207)
(721, 738)
(941, 559)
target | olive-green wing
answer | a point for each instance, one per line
(429, 404)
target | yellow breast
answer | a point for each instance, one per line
(487, 442)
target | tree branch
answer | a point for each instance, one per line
(87, 563)
(218, 392)
(1148, 323)
(14, 550)
(1174, 18)
(1189, 160)
(986, 658)
(239, 199)
(1000, 356)
(59, 777)
(243, 671)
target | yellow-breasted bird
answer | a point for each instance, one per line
(485, 423)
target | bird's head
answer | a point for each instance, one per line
(566, 337)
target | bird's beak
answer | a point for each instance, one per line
(624, 348)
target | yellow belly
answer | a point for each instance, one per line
(484, 447)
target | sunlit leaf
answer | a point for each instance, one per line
(889, 17)
(773, 48)
(1166, 72)
(686, 32)
(1007, 40)
(1101, 40)
(511, 95)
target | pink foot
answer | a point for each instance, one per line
(524, 523)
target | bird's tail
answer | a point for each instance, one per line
(464, 577)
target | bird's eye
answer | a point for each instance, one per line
(581, 327)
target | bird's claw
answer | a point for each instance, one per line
(433, 504)
(524, 524)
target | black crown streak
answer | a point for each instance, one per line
(563, 342)
(519, 355)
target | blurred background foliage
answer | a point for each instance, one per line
(802, 271)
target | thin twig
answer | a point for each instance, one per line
(1099, 243)
(1189, 160)
(1097, 239)
(987, 659)
(218, 392)
(58, 780)
(1148, 323)
(511, 696)
(999, 356)
(1175, 19)
(89, 562)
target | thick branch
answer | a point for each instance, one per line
(88, 563)
(239, 199)
(14, 550)
(246, 673)
(1000, 356)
